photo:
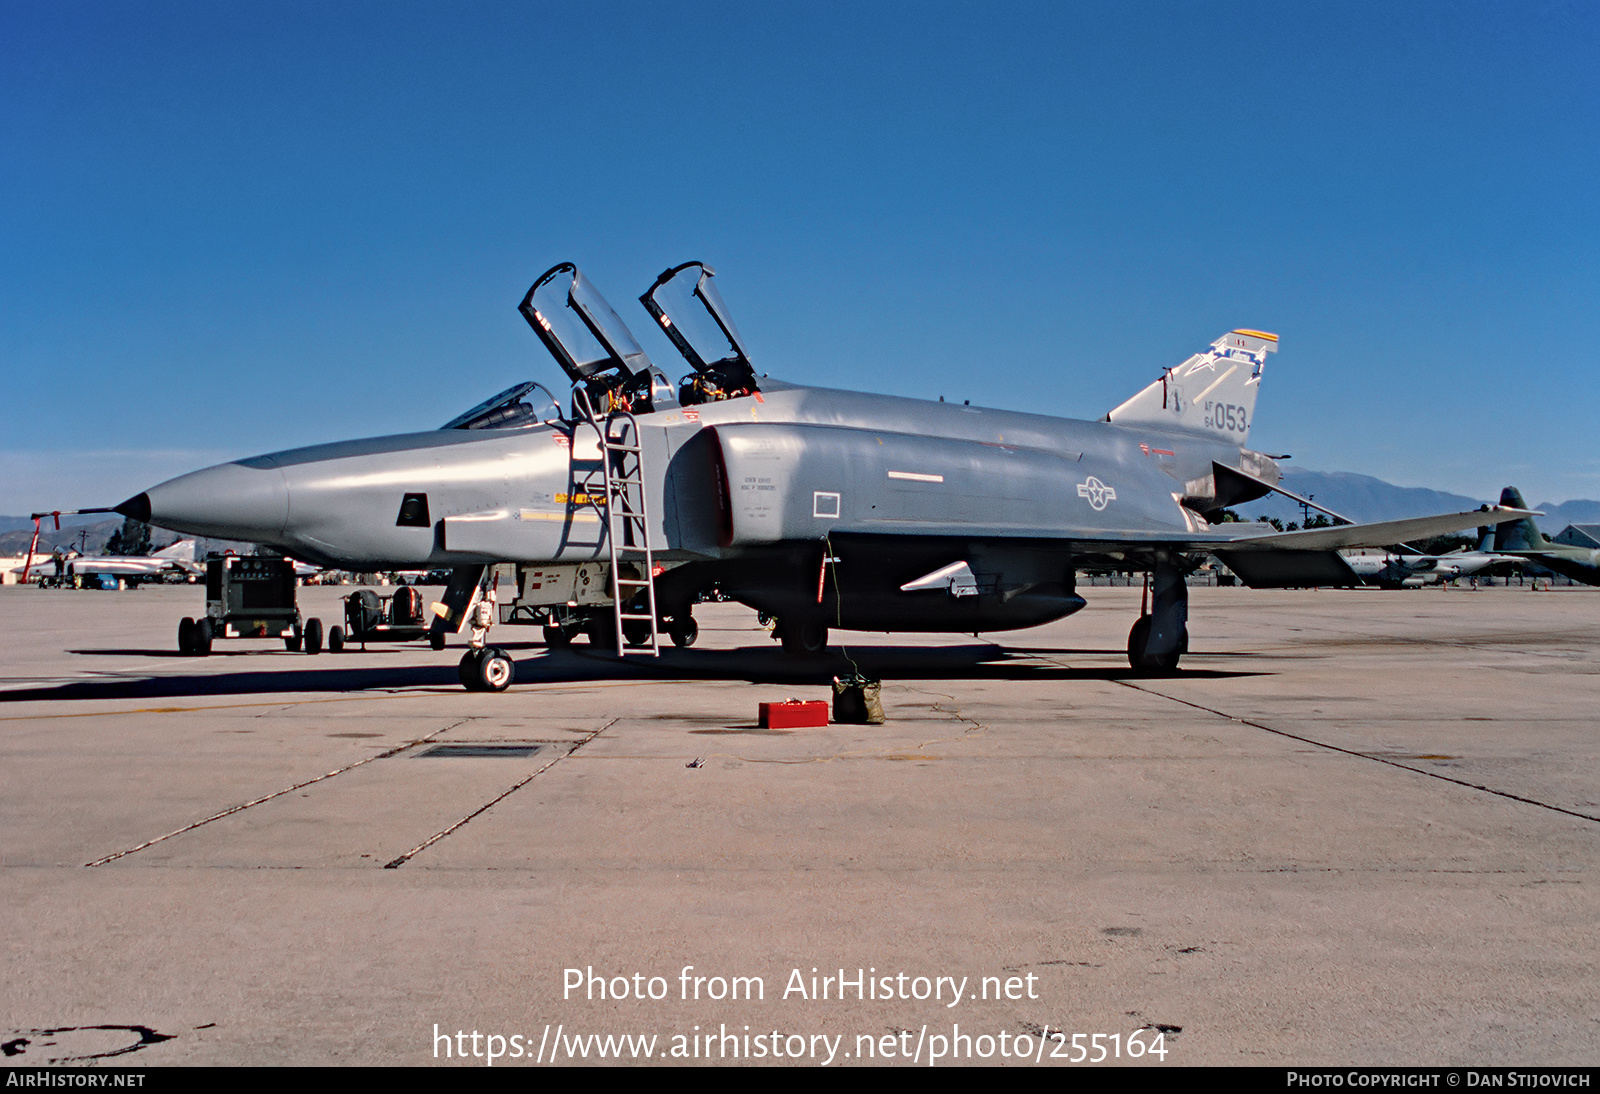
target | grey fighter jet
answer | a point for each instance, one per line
(825, 509)
(1522, 538)
(177, 559)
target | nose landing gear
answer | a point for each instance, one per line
(486, 669)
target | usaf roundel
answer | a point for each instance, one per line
(1098, 493)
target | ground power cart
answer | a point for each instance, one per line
(249, 597)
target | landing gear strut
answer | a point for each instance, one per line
(484, 667)
(1158, 640)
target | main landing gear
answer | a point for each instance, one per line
(600, 627)
(1159, 639)
(802, 637)
(683, 630)
(1146, 658)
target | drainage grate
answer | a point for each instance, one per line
(507, 751)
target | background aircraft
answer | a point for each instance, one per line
(822, 508)
(34, 563)
(1393, 569)
(176, 559)
(1522, 538)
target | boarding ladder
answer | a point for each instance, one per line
(627, 522)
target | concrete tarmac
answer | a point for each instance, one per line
(1359, 827)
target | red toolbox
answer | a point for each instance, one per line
(794, 714)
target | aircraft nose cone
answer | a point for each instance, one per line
(135, 508)
(228, 501)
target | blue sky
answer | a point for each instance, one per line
(229, 229)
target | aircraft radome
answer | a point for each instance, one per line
(823, 508)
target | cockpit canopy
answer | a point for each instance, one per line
(577, 325)
(609, 369)
(693, 315)
(513, 408)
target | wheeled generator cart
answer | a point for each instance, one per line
(249, 597)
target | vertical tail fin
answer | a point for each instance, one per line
(1517, 535)
(1212, 393)
(183, 549)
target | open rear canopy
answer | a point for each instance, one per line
(686, 304)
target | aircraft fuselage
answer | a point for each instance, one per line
(757, 493)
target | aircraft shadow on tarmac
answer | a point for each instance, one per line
(296, 674)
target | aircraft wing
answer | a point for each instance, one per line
(1228, 539)
(1310, 557)
(1370, 535)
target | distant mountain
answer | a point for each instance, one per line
(1362, 498)
(1557, 517)
(91, 536)
(68, 520)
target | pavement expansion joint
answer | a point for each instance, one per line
(1374, 757)
(276, 794)
(396, 863)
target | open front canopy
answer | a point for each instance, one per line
(579, 328)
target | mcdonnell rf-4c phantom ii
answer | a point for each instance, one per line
(822, 508)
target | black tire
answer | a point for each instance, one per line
(467, 671)
(405, 610)
(292, 640)
(363, 612)
(436, 640)
(803, 638)
(636, 632)
(495, 670)
(313, 635)
(556, 637)
(203, 633)
(186, 643)
(335, 639)
(1164, 665)
(683, 632)
(601, 633)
